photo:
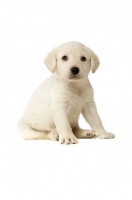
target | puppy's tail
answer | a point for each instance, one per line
(27, 133)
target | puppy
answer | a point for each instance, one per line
(54, 108)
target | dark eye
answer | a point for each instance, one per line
(65, 58)
(83, 58)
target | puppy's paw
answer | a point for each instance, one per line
(68, 139)
(89, 134)
(105, 135)
(53, 135)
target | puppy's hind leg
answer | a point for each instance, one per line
(80, 133)
(53, 134)
(28, 133)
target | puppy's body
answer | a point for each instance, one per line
(54, 108)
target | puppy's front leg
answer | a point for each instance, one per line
(63, 127)
(91, 115)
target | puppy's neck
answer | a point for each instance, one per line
(75, 86)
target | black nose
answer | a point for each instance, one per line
(74, 70)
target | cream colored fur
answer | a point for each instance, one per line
(54, 108)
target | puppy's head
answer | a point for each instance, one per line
(72, 61)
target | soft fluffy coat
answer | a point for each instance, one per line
(54, 108)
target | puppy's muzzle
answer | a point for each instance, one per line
(74, 70)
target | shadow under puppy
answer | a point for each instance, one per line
(54, 108)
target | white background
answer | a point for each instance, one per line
(45, 170)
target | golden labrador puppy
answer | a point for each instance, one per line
(54, 108)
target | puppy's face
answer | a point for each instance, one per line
(72, 61)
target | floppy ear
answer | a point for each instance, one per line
(50, 61)
(94, 61)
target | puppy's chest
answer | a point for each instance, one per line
(73, 104)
